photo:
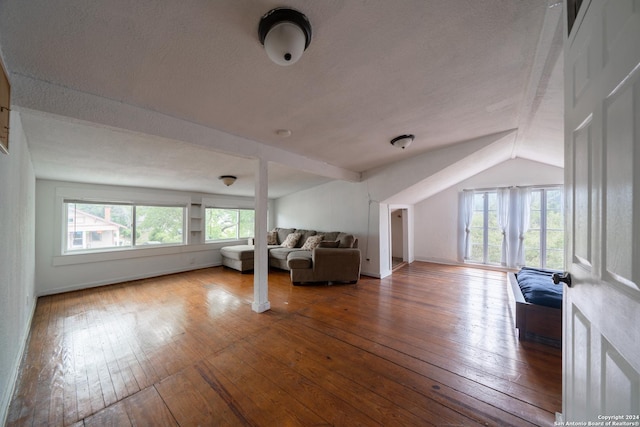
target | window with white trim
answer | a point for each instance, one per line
(515, 227)
(94, 226)
(544, 241)
(228, 224)
(485, 235)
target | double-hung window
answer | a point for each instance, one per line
(228, 224)
(93, 226)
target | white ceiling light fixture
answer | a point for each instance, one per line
(227, 179)
(285, 34)
(402, 141)
(283, 133)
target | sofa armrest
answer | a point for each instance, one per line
(336, 263)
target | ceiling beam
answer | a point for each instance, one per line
(416, 178)
(39, 95)
(547, 54)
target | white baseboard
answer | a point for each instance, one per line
(374, 275)
(465, 264)
(441, 261)
(116, 280)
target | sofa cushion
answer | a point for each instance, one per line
(332, 235)
(329, 244)
(299, 259)
(282, 253)
(304, 235)
(272, 238)
(291, 241)
(312, 242)
(238, 252)
(283, 233)
(346, 240)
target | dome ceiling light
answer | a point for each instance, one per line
(285, 34)
(227, 179)
(283, 133)
(402, 141)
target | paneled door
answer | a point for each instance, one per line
(601, 359)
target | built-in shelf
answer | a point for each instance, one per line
(195, 223)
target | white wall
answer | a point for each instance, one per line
(57, 273)
(436, 218)
(17, 242)
(364, 208)
(433, 222)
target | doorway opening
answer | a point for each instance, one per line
(399, 238)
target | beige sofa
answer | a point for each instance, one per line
(335, 259)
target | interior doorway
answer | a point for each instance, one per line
(399, 237)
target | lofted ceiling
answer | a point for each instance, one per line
(168, 94)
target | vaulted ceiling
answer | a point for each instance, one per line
(169, 94)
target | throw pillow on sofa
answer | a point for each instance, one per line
(283, 233)
(291, 240)
(311, 242)
(304, 235)
(329, 244)
(272, 238)
(346, 240)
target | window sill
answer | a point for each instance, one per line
(130, 253)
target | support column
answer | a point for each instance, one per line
(261, 259)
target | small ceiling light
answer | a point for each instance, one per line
(227, 179)
(284, 133)
(285, 34)
(402, 141)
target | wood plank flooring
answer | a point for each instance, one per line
(429, 345)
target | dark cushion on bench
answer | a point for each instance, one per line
(538, 287)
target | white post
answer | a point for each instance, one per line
(260, 259)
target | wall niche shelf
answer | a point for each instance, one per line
(195, 223)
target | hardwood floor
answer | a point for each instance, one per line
(429, 345)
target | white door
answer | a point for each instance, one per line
(602, 175)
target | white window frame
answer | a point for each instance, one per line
(65, 232)
(134, 245)
(237, 237)
(513, 251)
(485, 227)
(96, 194)
(543, 222)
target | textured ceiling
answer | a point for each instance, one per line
(446, 71)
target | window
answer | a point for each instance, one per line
(485, 235)
(158, 225)
(105, 226)
(544, 241)
(228, 224)
(513, 227)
